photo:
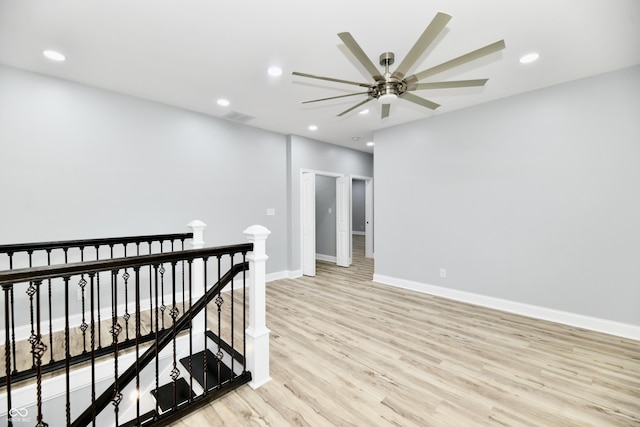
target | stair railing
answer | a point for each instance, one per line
(246, 353)
(28, 255)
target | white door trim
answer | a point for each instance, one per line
(368, 213)
(313, 223)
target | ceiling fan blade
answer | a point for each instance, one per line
(420, 101)
(331, 79)
(476, 54)
(354, 107)
(385, 110)
(447, 85)
(336, 97)
(362, 57)
(428, 36)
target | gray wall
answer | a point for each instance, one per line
(304, 153)
(325, 220)
(533, 198)
(358, 205)
(80, 162)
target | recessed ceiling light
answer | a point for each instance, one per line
(274, 71)
(53, 55)
(223, 102)
(313, 127)
(355, 138)
(363, 112)
(370, 144)
(529, 57)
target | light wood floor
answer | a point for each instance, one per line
(348, 352)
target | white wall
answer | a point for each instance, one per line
(81, 162)
(533, 199)
(358, 208)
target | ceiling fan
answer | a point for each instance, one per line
(388, 86)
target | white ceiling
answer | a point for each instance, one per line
(189, 53)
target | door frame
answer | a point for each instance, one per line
(302, 247)
(368, 214)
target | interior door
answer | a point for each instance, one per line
(308, 203)
(368, 214)
(343, 221)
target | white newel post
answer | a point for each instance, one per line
(197, 271)
(257, 332)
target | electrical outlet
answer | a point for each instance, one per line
(443, 272)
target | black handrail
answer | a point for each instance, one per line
(9, 277)
(164, 338)
(86, 243)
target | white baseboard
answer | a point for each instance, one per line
(572, 319)
(294, 274)
(278, 275)
(358, 233)
(328, 258)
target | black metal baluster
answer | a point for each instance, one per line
(115, 331)
(155, 267)
(151, 295)
(233, 348)
(31, 290)
(182, 266)
(162, 306)
(98, 302)
(38, 348)
(244, 313)
(83, 326)
(8, 308)
(13, 321)
(13, 332)
(219, 354)
(204, 359)
(82, 283)
(190, 334)
(137, 313)
(175, 372)
(92, 277)
(67, 352)
(126, 315)
(50, 317)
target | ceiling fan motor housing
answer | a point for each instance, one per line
(387, 58)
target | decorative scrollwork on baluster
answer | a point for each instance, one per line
(33, 338)
(175, 373)
(163, 307)
(126, 316)
(219, 301)
(115, 331)
(82, 283)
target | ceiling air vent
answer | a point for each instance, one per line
(234, 116)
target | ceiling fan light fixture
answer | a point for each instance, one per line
(387, 98)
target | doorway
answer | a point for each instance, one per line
(341, 215)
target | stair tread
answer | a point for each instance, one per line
(164, 394)
(216, 373)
